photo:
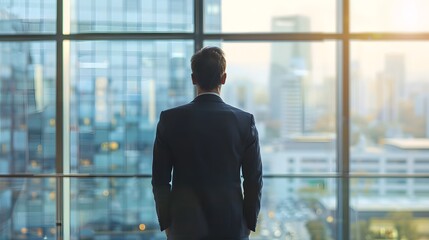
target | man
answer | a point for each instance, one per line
(206, 143)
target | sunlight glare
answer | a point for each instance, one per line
(408, 16)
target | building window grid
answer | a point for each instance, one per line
(343, 36)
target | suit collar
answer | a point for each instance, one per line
(208, 98)
(214, 93)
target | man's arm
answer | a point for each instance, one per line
(161, 176)
(252, 174)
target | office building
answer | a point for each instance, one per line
(290, 65)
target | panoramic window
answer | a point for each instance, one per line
(339, 90)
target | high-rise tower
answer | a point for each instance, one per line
(290, 64)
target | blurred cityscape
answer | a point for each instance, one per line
(118, 89)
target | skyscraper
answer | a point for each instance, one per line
(390, 88)
(212, 16)
(290, 65)
(27, 132)
(359, 99)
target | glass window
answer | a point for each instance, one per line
(389, 16)
(391, 210)
(103, 208)
(240, 16)
(297, 208)
(290, 89)
(27, 208)
(118, 88)
(17, 18)
(107, 208)
(115, 105)
(131, 16)
(390, 105)
(27, 107)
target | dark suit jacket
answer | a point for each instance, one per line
(205, 143)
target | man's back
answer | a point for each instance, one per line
(206, 142)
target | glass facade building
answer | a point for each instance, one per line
(341, 104)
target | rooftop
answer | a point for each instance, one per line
(407, 144)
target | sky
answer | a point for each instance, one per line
(366, 16)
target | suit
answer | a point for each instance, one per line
(202, 146)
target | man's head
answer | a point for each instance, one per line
(208, 68)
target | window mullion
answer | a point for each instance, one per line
(343, 116)
(198, 27)
(198, 24)
(61, 126)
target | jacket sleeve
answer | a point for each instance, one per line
(161, 176)
(252, 174)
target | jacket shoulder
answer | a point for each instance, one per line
(176, 110)
(239, 111)
(186, 108)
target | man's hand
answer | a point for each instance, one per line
(167, 232)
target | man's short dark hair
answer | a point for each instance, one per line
(208, 65)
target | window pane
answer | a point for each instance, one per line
(132, 16)
(389, 16)
(123, 208)
(389, 107)
(118, 89)
(270, 16)
(113, 208)
(27, 208)
(389, 208)
(297, 208)
(27, 107)
(290, 89)
(27, 16)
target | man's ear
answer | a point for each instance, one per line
(223, 79)
(194, 79)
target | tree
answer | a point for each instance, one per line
(317, 230)
(403, 222)
(360, 230)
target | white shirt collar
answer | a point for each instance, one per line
(213, 93)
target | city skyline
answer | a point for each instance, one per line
(118, 88)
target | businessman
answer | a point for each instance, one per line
(200, 148)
